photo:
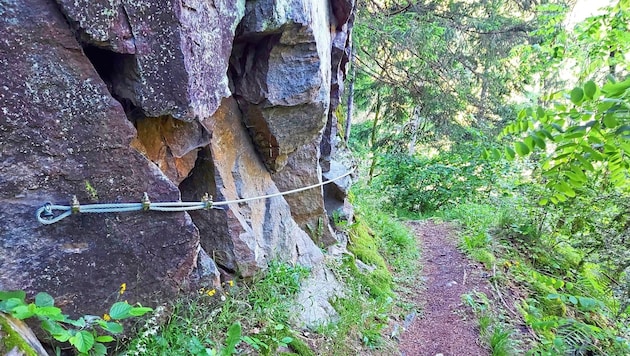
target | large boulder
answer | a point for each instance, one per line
(170, 57)
(281, 74)
(343, 14)
(283, 66)
(106, 100)
(62, 134)
(307, 207)
(243, 237)
(171, 144)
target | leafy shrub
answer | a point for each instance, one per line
(87, 334)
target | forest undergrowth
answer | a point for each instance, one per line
(513, 121)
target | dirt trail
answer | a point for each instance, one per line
(444, 326)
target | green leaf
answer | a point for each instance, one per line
(82, 341)
(53, 327)
(594, 139)
(586, 164)
(252, 342)
(233, 338)
(529, 141)
(286, 340)
(547, 324)
(565, 188)
(574, 134)
(105, 338)
(51, 312)
(577, 95)
(579, 173)
(63, 337)
(543, 201)
(587, 303)
(523, 125)
(99, 350)
(43, 299)
(112, 327)
(496, 154)
(573, 300)
(557, 127)
(610, 121)
(616, 89)
(139, 311)
(539, 142)
(23, 311)
(13, 294)
(79, 323)
(625, 129)
(560, 197)
(590, 89)
(11, 303)
(544, 133)
(509, 153)
(521, 148)
(120, 310)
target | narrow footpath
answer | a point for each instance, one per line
(444, 326)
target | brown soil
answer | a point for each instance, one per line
(445, 326)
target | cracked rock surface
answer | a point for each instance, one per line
(106, 100)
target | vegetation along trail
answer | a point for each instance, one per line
(445, 326)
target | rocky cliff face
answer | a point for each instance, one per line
(106, 100)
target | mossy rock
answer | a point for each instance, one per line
(364, 246)
(554, 307)
(16, 338)
(300, 348)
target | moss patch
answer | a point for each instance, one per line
(363, 244)
(9, 339)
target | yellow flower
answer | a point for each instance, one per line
(211, 292)
(231, 283)
(106, 317)
(123, 288)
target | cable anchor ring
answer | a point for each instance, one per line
(75, 207)
(146, 203)
(47, 214)
(207, 201)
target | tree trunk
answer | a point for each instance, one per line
(414, 130)
(348, 122)
(373, 137)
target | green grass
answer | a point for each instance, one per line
(392, 239)
(390, 251)
(496, 335)
(500, 342)
(255, 315)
